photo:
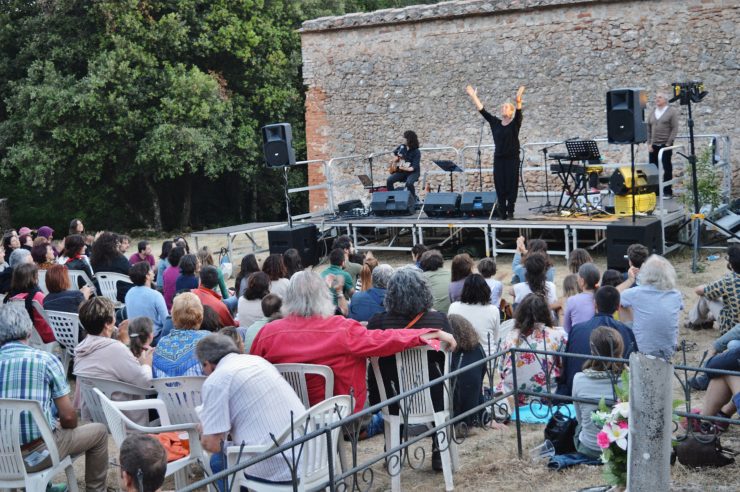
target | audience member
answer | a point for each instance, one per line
(76, 227)
(416, 251)
(606, 302)
(209, 297)
(143, 463)
(536, 282)
(461, 268)
(532, 330)
(250, 304)
(520, 257)
(143, 300)
(596, 382)
(61, 296)
(487, 268)
(275, 269)
(722, 398)
(475, 306)
(163, 264)
(124, 242)
(211, 321)
(468, 384)
(720, 300)
(580, 307)
(248, 266)
(438, 278)
(336, 269)
(292, 261)
(73, 257)
(100, 356)
(654, 305)
(18, 257)
(3, 263)
(365, 279)
(246, 398)
(140, 335)
(270, 305)
(206, 259)
(25, 286)
(610, 278)
(345, 244)
(107, 257)
(10, 244)
(143, 253)
(48, 233)
(370, 301)
(26, 241)
(44, 381)
(310, 334)
(169, 277)
(43, 256)
(175, 352)
(188, 278)
(578, 257)
(181, 242)
(233, 333)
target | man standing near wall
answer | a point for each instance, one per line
(662, 127)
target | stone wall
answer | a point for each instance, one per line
(372, 76)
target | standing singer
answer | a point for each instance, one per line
(506, 153)
(406, 164)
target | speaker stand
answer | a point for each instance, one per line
(287, 196)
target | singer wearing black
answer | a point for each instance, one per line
(409, 170)
(506, 153)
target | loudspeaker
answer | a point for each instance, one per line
(277, 145)
(400, 202)
(301, 237)
(621, 234)
(625, 118)
(442, 204)
(477, 203)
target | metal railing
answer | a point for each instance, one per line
(326, 186)
(360, 476)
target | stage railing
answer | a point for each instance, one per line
(326, 186)
(359, 476)
(473, 169)
(338, 179)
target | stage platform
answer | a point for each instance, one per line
(400, 233)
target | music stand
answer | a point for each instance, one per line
(448, 167)
(585, 151)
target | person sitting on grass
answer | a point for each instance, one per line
(270, 305)
(143, 463)
(337, 260)
(578, 257)
(523, 250)
(369, 302)
(580, 307)
(719, 300)
(209, 297)
(438, 278)
(461, 268)
(475, 306)
(487, 268)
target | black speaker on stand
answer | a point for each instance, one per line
(302, 237)
(625, 119)
(277, 145)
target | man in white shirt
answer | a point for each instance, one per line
(245, 398)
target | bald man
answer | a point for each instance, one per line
(662, 127)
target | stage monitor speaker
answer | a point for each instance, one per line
(277, 145)
(442, 204)
(400, 202)
(625, 118)
(302, 237)
(621, 234)
(477, 203)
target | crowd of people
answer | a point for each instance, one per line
(177, 317)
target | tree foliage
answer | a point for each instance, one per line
(134, 113)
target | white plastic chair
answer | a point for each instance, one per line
(77, 274)
(314, 465)
(413, 371)
(108, 282)
(180, 396)
(118, 424)
(111, 389)
(296, 374)
(66, 328)
(42, 282)
(13, 472)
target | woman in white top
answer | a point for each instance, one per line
(475, 306)
(274, 267)
(535, 281)
(250, 304)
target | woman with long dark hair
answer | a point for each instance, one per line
(406, 165)
(535, 281)
(248, 266)
(292, 261)
(163, 264)
(275, 269)
(250, 304)
(524, 248)
(505, 132)
(73, 256)
(107, 257)
(461, 267)
(25, 286)
(475, 306)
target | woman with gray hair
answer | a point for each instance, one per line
(368, 302)
(654, 305)
(309, 333)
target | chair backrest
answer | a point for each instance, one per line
(107, 387)
(180, 396)
(114, 418)
(296, 374)
(42, 281)
(107, 282)
(77, 274)
(412, 366)
(12, 466)
(66, 328)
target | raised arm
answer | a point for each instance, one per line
(473, 93)
(519, 95)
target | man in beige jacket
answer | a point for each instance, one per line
(662, 127)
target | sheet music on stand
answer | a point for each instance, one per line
(583, 150)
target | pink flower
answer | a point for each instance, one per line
(623, 424)
(602, 439)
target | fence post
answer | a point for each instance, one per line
(649, 444)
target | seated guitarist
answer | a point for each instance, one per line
(406, 164)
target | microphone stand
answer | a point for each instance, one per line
(480, 142)
(547, 207)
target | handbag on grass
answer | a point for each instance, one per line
(560, 431)
(705, 453)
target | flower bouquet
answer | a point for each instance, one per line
(612, 439)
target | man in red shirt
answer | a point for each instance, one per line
(209, 297)
(310, 334)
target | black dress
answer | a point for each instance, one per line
(505, 159)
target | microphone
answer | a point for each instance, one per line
(572, 138)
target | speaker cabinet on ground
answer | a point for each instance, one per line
(625, 118)
(302, 237)
(399, 202)
(477, 203)
(442, 204)
(277, 145)
(621, 234)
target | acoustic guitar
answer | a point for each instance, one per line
(398, 154)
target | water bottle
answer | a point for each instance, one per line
(713, 257)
